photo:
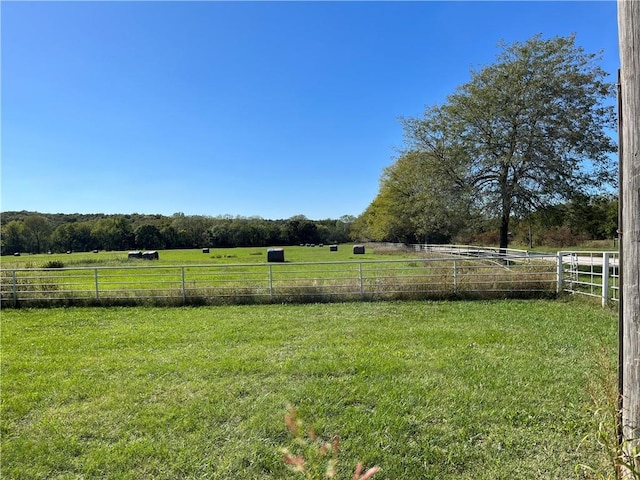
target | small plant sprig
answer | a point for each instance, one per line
(318, 458)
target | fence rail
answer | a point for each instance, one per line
(444, 272)
(594, 274)
(587, 273)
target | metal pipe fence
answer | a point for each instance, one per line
(593, 274)
(444, 276)
(472, 250)
(587, 273)
(448, 271)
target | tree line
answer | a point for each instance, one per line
(35, 232)
(583, 218)
(580, 220)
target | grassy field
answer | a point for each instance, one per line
(425, 390)
(197, 257)
(588, 245)
(242, 276)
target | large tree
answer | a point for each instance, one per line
(37, 230)
(74, 236)
(527, 131)
(13, 237)
(385, 219)
(113, 233)
(436, 208)
(148, 236)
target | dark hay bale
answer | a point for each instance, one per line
(151, 255)
(275, 255)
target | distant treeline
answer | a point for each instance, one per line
(33, 232)
(582, 219)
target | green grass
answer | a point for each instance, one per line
(450, 390)
(225, 276)
(196, 257)
(589, 245)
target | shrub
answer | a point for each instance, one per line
(561, 237)
(53, 264)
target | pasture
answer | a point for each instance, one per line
(197, 257)
(243, 276)
(425, 390)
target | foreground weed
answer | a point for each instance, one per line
(318, 459)
(623, 457)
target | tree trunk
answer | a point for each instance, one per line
(629, 38)
(504, 230)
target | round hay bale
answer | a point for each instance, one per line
(275, 255)
(151, 255)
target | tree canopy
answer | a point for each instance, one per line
(526, 132)
(33, 232)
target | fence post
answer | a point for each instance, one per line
(605, 278)
(455, 277)
(361, 281)
(271, 282)
(95, 276)
(559, 273)
(184, 290)
(15, 289)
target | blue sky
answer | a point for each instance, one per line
(268, 109)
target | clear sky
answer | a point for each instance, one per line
(268, 109)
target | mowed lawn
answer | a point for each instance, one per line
(425, 390)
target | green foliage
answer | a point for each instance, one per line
(436, 209)
(113, 233)
(74, 237)
(596, 216)
(314, 457)
(148, 237)
(451, 390)
(581, 221)
(13, 238)
(82, 233)
(383, 220)
(53, 264)
(37, 230)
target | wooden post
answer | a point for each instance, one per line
(629, 42)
